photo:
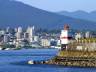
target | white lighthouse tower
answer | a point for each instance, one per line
(64, 37)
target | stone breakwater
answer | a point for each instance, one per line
(68, 61)
(75, 58)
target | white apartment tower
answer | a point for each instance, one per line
(18, 36)
(19, 33)
(30, 32)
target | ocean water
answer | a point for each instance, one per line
(16, 61)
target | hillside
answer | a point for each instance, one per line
(14, 14)
(91, 16)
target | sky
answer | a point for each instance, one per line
(63, 5)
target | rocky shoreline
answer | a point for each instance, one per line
(77, 59)
(71, 62)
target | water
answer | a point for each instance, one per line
(25, 55)
(16, 61)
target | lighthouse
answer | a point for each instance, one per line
(64, 37)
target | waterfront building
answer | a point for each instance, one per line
(2, 32)
(45, 42)
(36, 38)
(58, 43)
(53, 42)
(6, 38)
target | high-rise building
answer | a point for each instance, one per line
(26, 35)
(8, 29)
(18, 36)
(30, 32)
(6, 38)
(19, 33)
(19, 30)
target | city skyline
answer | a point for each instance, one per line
(62, 5)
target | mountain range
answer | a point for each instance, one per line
(91, 16)
(14, 14)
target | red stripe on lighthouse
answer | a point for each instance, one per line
(64, 38)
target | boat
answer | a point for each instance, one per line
(30, 62)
